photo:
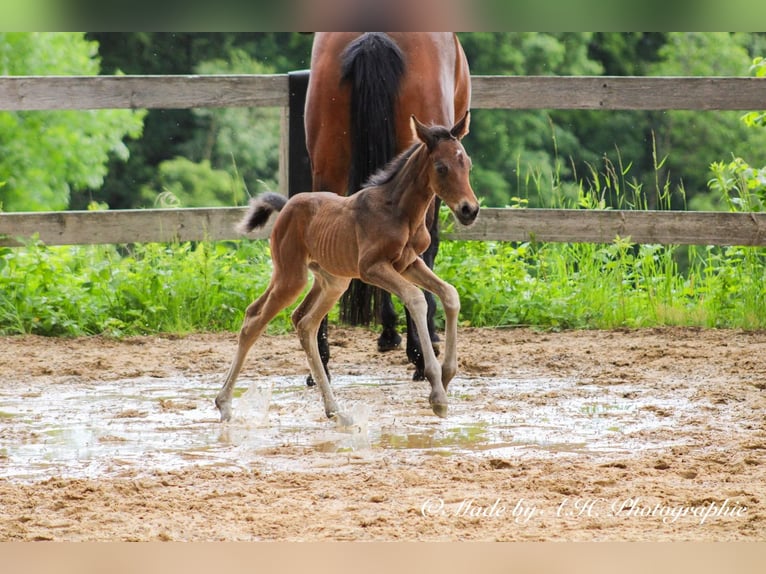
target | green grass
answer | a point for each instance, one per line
(177, 288)
(182, 288)
(566, 286)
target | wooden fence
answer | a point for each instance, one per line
(495, 92)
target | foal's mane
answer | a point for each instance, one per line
(387, 173)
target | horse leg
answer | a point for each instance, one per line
(307, 318)
(421, 275)
(384, 276)
(323, 343)
(414, 349)
(414, 353)
(389, 339)
(429, 256)
(278, 295)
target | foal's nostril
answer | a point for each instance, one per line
(468, 212)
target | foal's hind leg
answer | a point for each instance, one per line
(324, 293)
(278, 295)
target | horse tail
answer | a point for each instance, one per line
(261, 208)
(373, 65)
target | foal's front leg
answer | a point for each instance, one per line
(421, 275)
(385, 276)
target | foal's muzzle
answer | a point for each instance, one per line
(466, 212)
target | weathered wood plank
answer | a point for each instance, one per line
(545, 225)
(618, 93)
(586, 226)
(158, 92)
(125, 226)
(510, 92)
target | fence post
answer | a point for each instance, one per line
(299, 168)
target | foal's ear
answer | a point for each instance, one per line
(460, 129)
(422, 132)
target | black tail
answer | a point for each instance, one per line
(261, 208)
(373, 64)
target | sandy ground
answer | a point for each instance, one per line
(702, 476)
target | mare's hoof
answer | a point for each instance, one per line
(389, 342)
(419, 374)
(310, 382)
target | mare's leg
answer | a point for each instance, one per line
(281, 292)
(323, 343)
(383, 275)
(421, 275)
(429, 256)
(389, 339)
(324, 293)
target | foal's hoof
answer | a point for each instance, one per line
(342, 420)
(419, 374)
(440, 409)
(438, 402)
(225, 409)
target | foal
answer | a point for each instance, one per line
(376, 235)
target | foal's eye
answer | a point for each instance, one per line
(441, 169)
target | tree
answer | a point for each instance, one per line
(170, 134)
(45, 155)
(231, 150)
(518, 153)
(694, 140)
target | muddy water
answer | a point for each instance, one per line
(115, 428)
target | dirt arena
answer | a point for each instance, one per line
(619, 435)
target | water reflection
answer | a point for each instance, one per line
(148, 424)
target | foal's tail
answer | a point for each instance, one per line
(373, 65)
(261, 208)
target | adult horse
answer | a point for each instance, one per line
(377, 235)
(362, 90)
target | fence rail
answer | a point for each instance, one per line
(493, 224)
(489, 92)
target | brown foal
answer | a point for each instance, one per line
(375, 235)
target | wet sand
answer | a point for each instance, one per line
(620, 435)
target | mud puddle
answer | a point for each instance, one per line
(98, 429)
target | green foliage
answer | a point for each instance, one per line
(197, 134)
(756, 119)
(565, 286)
(739, 186)
(232, 149)
(121, 291)
(186, 287)
(736, 184)
(47, 154)
(189, 184)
